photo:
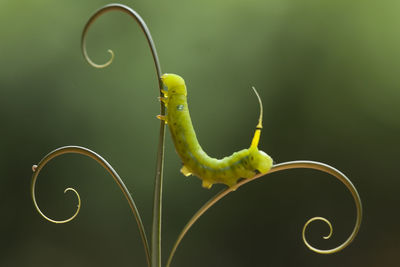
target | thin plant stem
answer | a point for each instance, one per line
(279, 167)
(157, 200)
(84, 151)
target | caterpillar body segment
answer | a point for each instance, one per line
(241, 164)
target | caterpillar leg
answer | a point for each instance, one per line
(165, 93)
(185, 171)
(162, 117)
(206, 184)
(164, 100)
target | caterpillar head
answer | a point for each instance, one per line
(175, 84)
(260, 161)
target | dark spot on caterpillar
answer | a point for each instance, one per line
(251, 157)
(174, 123)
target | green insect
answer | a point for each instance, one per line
(241, 164)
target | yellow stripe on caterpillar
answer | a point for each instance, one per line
(241, 164)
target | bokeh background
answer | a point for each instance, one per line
(328, 74)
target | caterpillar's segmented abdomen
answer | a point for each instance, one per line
(241, 164)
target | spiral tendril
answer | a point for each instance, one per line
(303, 234)
(36, 173)
(140, 22)
(36, 170)
(276, 168)
(84, 151)
(99, 66)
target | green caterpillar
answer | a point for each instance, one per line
(241, 164)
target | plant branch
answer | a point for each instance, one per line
(279, 167)
(84, 151)
(157, 201)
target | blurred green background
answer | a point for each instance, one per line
(327, 72)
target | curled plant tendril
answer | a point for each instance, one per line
(140, 22)
(303, 234)
(99, 66)
(84, 151)
(279, 167)
(157, 206)
(36, 171)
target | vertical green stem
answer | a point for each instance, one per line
(158, 181)
(157, 200)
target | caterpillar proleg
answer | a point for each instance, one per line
(241, 164)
